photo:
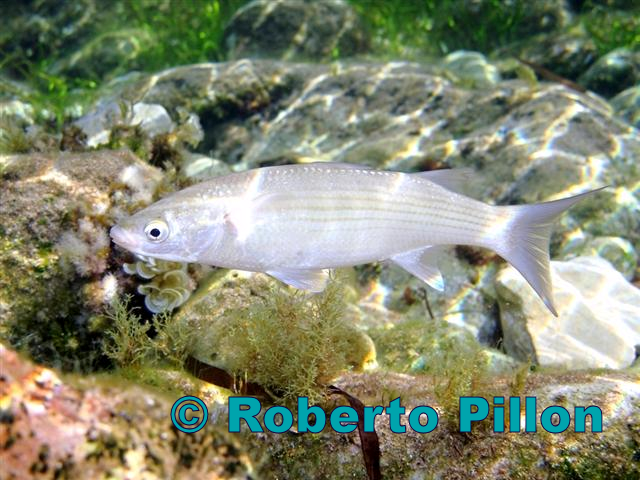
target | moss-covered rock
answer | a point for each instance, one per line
(97, 426)
(55, 256)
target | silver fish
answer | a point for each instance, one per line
(295, 222)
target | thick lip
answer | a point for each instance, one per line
(123, 238)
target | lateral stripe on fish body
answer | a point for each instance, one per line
(294, 222)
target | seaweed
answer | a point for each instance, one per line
(127, 341)
(612, 29)
(437, 27)
(13, 138)
(133, 342)
(291, 343)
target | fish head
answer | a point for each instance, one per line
(174, 234)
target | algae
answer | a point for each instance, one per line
(291, 343)
(133, 341)
(612, 29)
(13, 138)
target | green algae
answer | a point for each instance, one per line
(449, 360)
(133, 342)
(290, 343)
(612, 29)
(184, 32)
(152, 38)
(440, 27)
(128, 343)
(13, 138)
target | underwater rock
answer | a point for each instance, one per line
(448, 453)
(403, 116)
(290, 29)
(199, 168)
(94, 428)
(102, 426)
(613, 73)
(507, 135)
(54, 250)
(413, 344)
(472, 69)
(618, 251)
(567, 54)
(97, 124)
(615, 213)
(627, 105)
(153, 119)
(599, 317)
(468, 298)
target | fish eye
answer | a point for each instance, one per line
(156, 231)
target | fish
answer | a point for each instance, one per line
(297, 222)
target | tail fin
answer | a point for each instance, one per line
(525, 244)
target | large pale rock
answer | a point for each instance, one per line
(599, 316)
(617, 251)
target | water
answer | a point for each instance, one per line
(107, 106)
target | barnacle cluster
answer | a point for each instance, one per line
(170, 284)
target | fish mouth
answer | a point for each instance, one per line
(123, 238)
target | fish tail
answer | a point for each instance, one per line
(525, 242)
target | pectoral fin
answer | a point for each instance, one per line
(423, 263)
(312, 280)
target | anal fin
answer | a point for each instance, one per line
(423, 263)
(312, 280)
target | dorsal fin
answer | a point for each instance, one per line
(358, 166)
(454, 179)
